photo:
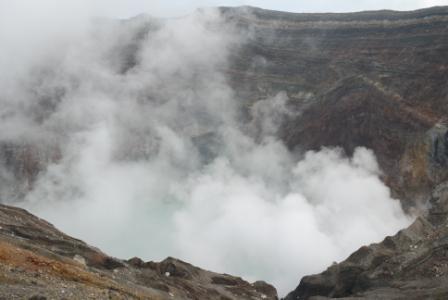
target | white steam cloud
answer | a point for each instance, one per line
(146, 153)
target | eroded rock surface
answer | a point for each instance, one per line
(413, 264)
(374, 79)
(39, 262)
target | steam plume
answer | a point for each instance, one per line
(146, 153)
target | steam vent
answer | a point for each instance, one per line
(306, 154)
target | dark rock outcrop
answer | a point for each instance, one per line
(413, 264)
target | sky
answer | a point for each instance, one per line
(184, 6)
(129, 8)
(126, 8)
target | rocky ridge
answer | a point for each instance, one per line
(413, 264)
(37, 261)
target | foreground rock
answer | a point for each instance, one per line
(39, 262)
(413, 264)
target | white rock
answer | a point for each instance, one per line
(79, 259)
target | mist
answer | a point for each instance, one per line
(146, 151)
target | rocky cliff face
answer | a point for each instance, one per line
(374, 79)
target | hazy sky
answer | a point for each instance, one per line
(127, 8)
(171, 8)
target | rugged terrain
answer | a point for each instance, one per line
(377, 79)
(413, 264)
(374, 79)
(39, 262)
